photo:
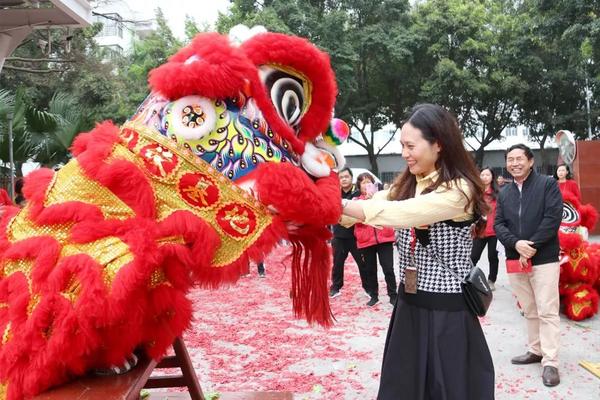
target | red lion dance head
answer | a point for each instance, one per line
(580, 263)
(100, 260)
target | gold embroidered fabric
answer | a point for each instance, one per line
(237, 216)
(180, 181)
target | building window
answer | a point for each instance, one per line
(511, 131)
(112, 25)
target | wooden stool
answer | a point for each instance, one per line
(129, 385)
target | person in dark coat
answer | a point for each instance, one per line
(344, 242)
(528, 215)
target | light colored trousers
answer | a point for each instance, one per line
(537, 293)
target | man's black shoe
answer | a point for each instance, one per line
(550, 376)
(527, 358)
(373, 301)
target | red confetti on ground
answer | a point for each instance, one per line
(245, 338)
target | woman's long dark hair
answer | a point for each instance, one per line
(494, 184)
(454, 162)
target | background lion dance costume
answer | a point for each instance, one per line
(100, 260)
(580, 262)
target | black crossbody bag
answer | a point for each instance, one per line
(475, 288)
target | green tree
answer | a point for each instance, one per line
(554, 66)
(469, 57)
(39, 135)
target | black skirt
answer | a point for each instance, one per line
(435, 350)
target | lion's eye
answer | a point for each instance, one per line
(191, 117)
(287, 94)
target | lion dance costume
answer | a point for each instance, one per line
(100, 260)
(580, 262)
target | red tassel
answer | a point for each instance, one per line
(310, 297)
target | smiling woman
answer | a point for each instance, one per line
(434, 203)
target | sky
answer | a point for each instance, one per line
(203, 11)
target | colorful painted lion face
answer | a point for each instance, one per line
(267, 111)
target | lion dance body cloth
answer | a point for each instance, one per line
(100, 260)
(580, 262)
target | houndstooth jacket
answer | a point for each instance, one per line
(452, 242)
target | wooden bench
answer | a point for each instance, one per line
(128, 386)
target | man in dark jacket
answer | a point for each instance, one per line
(528, 216)
(344, 241)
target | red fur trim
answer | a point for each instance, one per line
(296, 197)
(303, 56)
(169, 314)
(5, 199)
(129, 183)
(43, 250)
(34, 188)
(97, 143)
(589, 216)
(569, 241)
(570, 197)
(196, 254)
(581, 303)
(310, 296)
(219, 71)
(70, 211)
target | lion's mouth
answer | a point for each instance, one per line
(319, 158)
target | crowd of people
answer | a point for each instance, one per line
(441, 213)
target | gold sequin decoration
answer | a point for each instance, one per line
(71, 184)
(22, 227)
(3, 391)
(110, 252)
(72, 291)
(157, 278)
(33, 302)
(21, 265)
(6, 336)
(168, 199)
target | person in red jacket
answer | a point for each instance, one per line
(488, 237)
(565, 181)
(373, 242)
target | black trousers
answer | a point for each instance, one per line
(478, 245)
(341, 247)
(435, 355)
(385, 251)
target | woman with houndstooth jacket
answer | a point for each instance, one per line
(435, 347)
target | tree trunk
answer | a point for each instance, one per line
(543, 164)
(18, 169)
(479, 153)
(373, 161)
